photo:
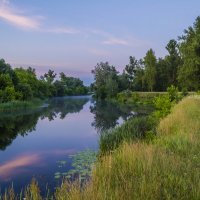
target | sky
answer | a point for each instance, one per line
(74, 35)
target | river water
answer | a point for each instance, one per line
(32, 142)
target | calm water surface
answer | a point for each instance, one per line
(32, 142)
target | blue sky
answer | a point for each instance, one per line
(73, 35)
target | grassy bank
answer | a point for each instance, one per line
(19, 105)
(144, 98)
(167, 167)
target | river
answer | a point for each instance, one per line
(33, 141)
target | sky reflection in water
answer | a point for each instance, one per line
(32, 142)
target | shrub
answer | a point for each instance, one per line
(124, 96)
(163, 106)
(173, 93)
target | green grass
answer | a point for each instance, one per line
(144, 98)
(168, 167)
(134, 129)
(19, 105)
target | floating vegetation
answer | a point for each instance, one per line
(61, 163)
(82, 164)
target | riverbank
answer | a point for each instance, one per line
(165, 166)
(20, 105)
(144, 98)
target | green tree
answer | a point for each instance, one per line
(5, 68)
(150, 69)
(60, 89)
(105, 76)
(173, 61)
(123, 83)
(139, 80)
(130, 70)
(49, 76)
(5, 81)
(72, 85)
(162, 76)
(25, 90)
(28, 82)
(189, 71)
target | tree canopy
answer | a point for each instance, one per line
(23, 84)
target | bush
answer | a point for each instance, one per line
(135, 97)
(124, 96)
(173, 93)
(184, 92)
(163, 106)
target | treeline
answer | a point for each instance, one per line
(23, 85)
(180, 68)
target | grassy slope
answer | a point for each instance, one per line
(168, 168)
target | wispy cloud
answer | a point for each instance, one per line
(62, 30)
(18, 18)
(109, 39)
(15, 17)
(116, 41)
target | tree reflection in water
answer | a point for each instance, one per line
(14, 124)
(107, 114)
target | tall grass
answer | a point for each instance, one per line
(166, 168)
(133, 129)
(19, 105)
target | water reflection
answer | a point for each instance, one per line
(107, 114)
(17, 165)
(12, 125)
(64, 127)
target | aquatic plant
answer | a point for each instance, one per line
(82, 163)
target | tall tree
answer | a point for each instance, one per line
(189, 72)
(162, 76)
(173, 60)
(130, 70)
(106, 80)
(49, 76)
(150, 69)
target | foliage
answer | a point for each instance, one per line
(173, 93)
(162, 105)
(23, 84)
(189, 71)
(150, 69)
(123, 96)
(106, 80)
(173, 60)
(130, 71)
